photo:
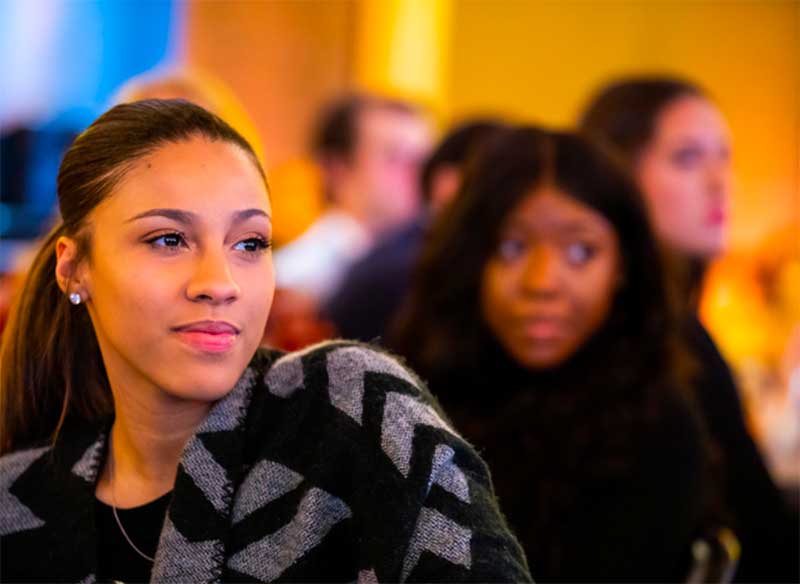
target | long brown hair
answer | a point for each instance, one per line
(50, 362)
(623, 115)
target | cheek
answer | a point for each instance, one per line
(127, 291)
(673, 197)
(596, 294)
(258, 290)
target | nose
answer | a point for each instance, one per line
(540, 276)
(719, 178)
(212, 280)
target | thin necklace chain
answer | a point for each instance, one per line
(114, 510)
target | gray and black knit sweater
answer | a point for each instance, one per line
(330, 464)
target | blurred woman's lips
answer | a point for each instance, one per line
(543, 328)
(208, 336)
(716, 217)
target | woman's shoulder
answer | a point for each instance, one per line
(352, 393)
(13, 464)
(345, 371)
(22, 472)
(77, 452)
(350, 420)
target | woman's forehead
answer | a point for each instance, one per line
(197, 175)
(690, 115)
(552, 209)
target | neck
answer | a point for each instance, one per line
(147, 439)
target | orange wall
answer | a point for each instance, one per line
(283, 60)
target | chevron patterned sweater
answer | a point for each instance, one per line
(330, 464)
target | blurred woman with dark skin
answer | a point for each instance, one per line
(541, 318)
(677, 145)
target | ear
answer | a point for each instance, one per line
(336, 168)
(444, 186)
(70, 271)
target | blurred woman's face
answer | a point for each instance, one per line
(179, 281)
(685, 175)
(551, 281)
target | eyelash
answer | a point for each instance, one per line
(153, 241)
(262, 244)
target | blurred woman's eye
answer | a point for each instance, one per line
(168, 241)
(687, 158)
(579, 253)
(511, 248)
(253, 245)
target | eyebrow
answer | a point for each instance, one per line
(186, 217)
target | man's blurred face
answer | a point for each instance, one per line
(382, 175)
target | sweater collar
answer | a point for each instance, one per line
(192, 541)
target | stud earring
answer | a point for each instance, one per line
(75, 298)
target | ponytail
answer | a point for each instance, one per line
(50, 363)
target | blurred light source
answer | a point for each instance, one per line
(403, 46)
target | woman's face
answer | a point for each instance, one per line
(685, 174)
(179, 281)
(551, 281)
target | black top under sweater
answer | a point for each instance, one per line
(116, 559)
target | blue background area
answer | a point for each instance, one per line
(96, 47)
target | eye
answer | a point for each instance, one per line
(169, 241)
(511, 248)
(687, 158)
(253, 245)
(579, 253)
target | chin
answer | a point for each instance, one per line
(541, 360)
(710, 250)
(708, 245)
(204, 383)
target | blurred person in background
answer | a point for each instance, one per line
(676, 143)
(147, 438)
(375, 286)
(541, 318)
(199, 87)
(370, 150)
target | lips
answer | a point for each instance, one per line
(716, 216)
(209, 336)
(543, 329)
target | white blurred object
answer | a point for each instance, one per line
(780, 418)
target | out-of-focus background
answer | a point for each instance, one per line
(64, 61)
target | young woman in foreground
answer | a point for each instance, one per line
(145, 437)
(540, 317)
